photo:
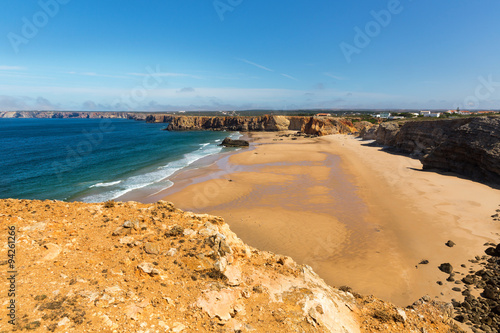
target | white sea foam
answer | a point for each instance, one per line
(158, 177)
(106, 184)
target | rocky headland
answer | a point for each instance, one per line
(466, 146)
(131, 267)
(268, 123)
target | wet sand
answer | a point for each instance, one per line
(359, 216)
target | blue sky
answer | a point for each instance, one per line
(241, 54)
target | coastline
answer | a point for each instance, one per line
(360, 217)
(208, 167)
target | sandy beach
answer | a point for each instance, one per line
(360, 216)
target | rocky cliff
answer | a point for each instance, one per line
(131, 267)
(70, 114)
(467, 146)
(307, 125)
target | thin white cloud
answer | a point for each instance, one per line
(289, 77)
(96, 74)
(23, 75)
(186, 90)
(256, 65)
(333, 76)
(12, 68)
(13, 103)
(166, 75)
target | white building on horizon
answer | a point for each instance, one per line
(433, 114)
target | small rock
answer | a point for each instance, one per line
(172, 252)
(450, 243)
(228, 142)
(446, 268)
(63, 322)
(424, 262)
(346, 289)
(132, 311)
(108, 322)
(122, 231)
(175, 231)
(220, 265)
(163, 325)
(188, 232)
(490, 292)
(469, 279)
(148, 268)
(52, 251)
(233, 275)
(152, 248)
(131, 225)
(178, 327)
(401, 316)
(112, 290)
(127, 240)
(491, 251)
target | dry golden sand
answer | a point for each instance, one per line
(359, 216)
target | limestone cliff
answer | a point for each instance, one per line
(467, 146)
(131, 267)
(307, 125)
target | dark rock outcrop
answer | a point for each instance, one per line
(228, 142)
(472, 149)
(467, 146)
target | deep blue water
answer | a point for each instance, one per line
(93, 160)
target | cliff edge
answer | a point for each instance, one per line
(131, 267)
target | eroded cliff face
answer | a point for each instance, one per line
(307, 125)
(472, 149)
(130, 267)
(468, 146)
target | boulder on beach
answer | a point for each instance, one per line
(228, 142)
(446, 268)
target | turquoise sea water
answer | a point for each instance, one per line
(94, 160)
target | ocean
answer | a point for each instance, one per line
(95, 160)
